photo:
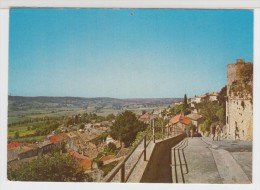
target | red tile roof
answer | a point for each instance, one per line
(55, 139)
(13, 145)
(86, 163)
(108, 157)
(180, 118)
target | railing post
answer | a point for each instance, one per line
(153, 135)
(145, 148)
(123, 173)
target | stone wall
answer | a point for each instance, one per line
(239, 107)
(158, 169)
(240, 116)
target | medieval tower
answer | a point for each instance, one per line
(239, 104)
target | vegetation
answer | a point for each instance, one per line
(107, 168)
(52, 167)
(243, 86)
(111, 148)
(205, 126)
(185, 107)
(110, 117)
(222, 97)
(213, 112)
(126, 127)
(176, 109)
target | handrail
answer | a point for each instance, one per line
(122, 164)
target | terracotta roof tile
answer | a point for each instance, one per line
(55, 139)
(108, 157)
(13, 145)
(86, 163)
(180, 118)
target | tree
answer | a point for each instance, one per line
(185, 108)
(205, 126)
(221, 115)
(209, 109)
(111, 147)
(51, 167)
(176, 109)
(110, 117)
(126, 127)
(222, 97)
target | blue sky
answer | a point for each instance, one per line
(125, 53)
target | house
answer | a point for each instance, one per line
(147, 118)
(196, 119)
(192, 102)
(21, 152)
(45, 147)
(58, 140)
(13, 145)
(199, 99)
(86, 164)
(109, 139)
(213, 96)
(178, 123)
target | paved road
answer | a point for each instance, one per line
(201, 160)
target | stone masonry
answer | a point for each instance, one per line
(239, 104)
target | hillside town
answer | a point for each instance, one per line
(93, 146)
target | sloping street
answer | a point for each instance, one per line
(201, 160)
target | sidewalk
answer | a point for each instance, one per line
(208, 163)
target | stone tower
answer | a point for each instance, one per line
(239, 104)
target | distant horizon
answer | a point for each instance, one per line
(125, 53)
(92, 97)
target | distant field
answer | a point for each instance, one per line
(22, 131)
(26, 115)
(21, 115)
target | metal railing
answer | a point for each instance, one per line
(121, 166)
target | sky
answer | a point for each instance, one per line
(125, 53)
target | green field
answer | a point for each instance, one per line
(26, 115)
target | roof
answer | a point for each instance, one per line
(108, 157)
(13, 145)
(44, 143)
(86, 163)
(22, 149)
(56, 139)
(180, 118)
(145, 116)
(194, 116)
(213, 94)
(148, 116)
(77, 155)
